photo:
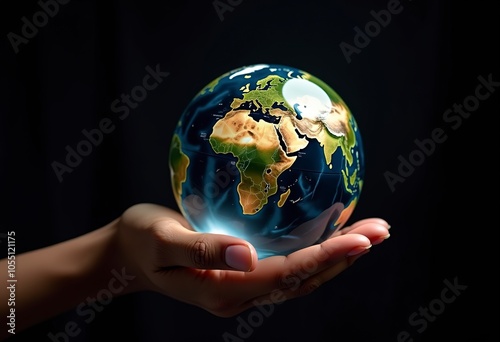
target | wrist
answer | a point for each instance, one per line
(104, 262)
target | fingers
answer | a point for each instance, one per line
(375, 229)
(303, 283)
(314, 282)
(302, 287)
(307, 269)
(181, 247)
(285, 272)
(374, 220)
(304, 271)
(309, 261)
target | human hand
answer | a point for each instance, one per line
(221, 273)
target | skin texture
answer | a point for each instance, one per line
(153, 248)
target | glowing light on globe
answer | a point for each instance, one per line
(268, 153)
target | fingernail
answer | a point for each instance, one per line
(389, 226)
(357, 250)
(239, 257)
(380, 239)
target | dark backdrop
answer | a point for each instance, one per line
(428, 57)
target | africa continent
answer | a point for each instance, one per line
(261, 160)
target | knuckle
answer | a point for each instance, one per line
(163, 231)
(289, 281)
(308, 288)
(200, 253)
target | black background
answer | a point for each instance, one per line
(427, 58)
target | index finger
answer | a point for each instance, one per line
(281, 272)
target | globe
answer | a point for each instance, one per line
(268, 153)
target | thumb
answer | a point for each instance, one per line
(208, 251)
